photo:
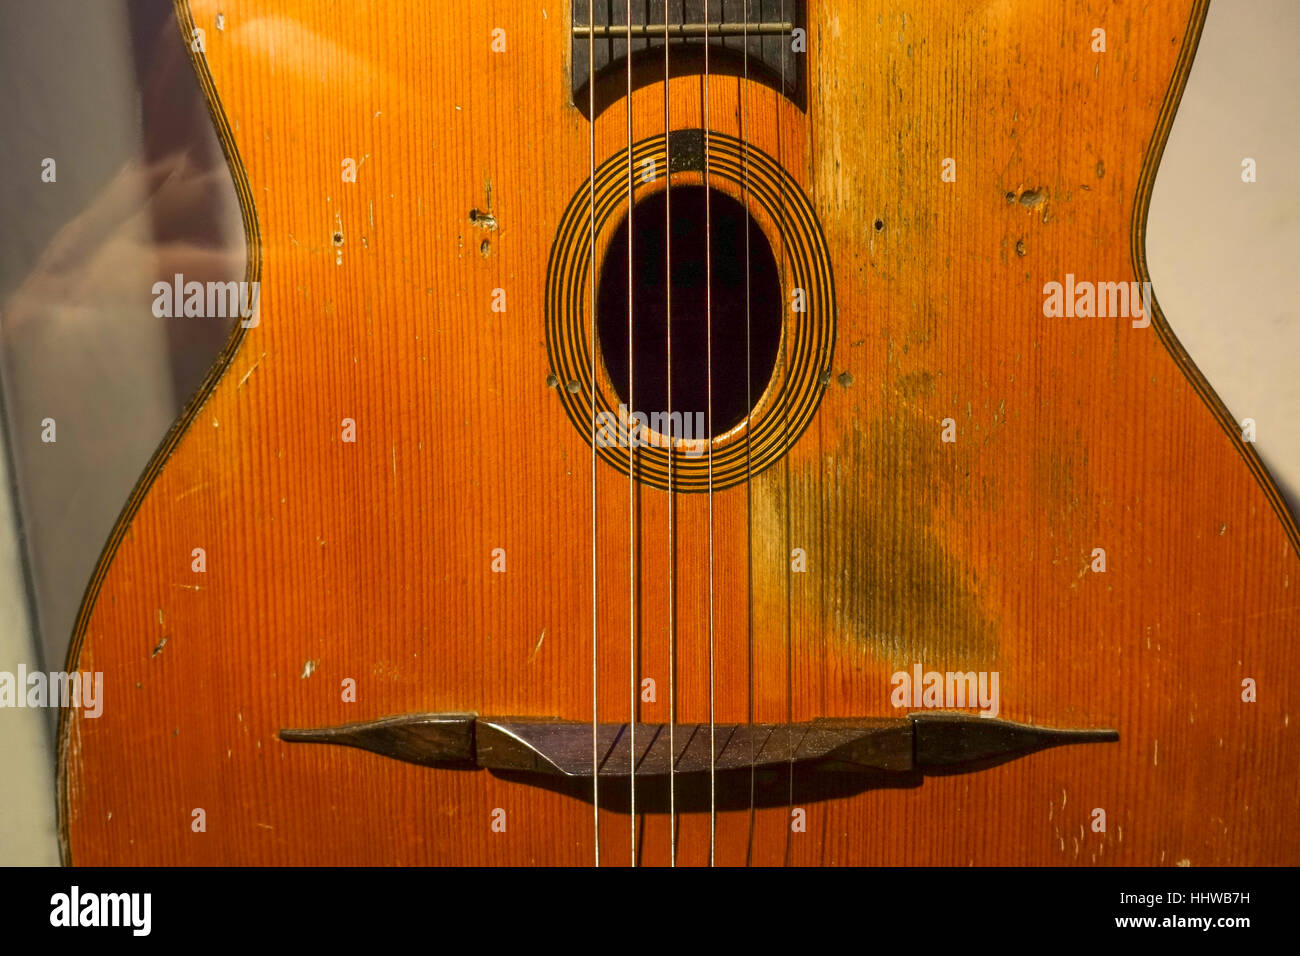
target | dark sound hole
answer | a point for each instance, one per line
(690, 320)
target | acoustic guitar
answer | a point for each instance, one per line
(736, 433)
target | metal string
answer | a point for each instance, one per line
(785, 442)
(591, 347)
(631, 455)
(749, 398)
(708, 314)
(672, 503)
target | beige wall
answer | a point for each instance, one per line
(1224, 255)
(27, 820)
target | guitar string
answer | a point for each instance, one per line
(708, 360)
(591, 356)
(672, 502)
(785, 443)
(749, 398)
(631, 459)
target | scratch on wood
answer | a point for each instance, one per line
(250, 371)
(538, 646)
(158, 647)
(308, 668)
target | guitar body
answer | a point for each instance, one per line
(391, 479)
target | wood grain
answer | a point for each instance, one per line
(372, 560)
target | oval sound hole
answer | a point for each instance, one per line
(690, 313)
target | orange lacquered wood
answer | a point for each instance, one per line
(372, 560)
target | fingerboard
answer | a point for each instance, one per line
(759, 35)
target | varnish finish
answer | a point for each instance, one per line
(372, 561)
